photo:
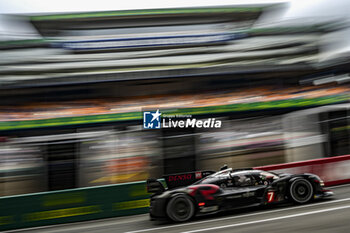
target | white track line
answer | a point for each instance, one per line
(269, 219)
(239, 216)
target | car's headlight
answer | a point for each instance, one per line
(321, 183)
(319, 180)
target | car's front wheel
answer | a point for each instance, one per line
(180, 208)
(301, 191)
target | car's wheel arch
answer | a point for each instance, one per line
(314, 186)
(181, 193)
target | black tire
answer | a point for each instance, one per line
(301, 191)
(180, 208)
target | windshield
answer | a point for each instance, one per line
(213, 177)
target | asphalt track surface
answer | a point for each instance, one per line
(331, 215)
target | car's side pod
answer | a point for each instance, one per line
(154, 186)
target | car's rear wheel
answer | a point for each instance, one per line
(301, 191)
(180, 208)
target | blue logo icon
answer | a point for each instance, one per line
(151, 120)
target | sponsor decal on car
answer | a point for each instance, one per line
(208, 209)
(198, 175)
(180, 177)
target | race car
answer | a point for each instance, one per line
(207, 192)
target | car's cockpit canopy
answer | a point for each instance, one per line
(239, 178)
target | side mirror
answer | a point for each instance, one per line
(224, 167)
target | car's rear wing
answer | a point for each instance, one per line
(184, 179)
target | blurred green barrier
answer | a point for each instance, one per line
(32, 210)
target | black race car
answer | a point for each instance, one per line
(198, 193)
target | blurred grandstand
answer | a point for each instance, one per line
(73, 87)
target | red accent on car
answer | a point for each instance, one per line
(206, 190)
(201, 204)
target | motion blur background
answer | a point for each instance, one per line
(74, 79)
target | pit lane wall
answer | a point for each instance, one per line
(32, 210)
(333, 170)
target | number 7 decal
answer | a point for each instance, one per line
(270, 196)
